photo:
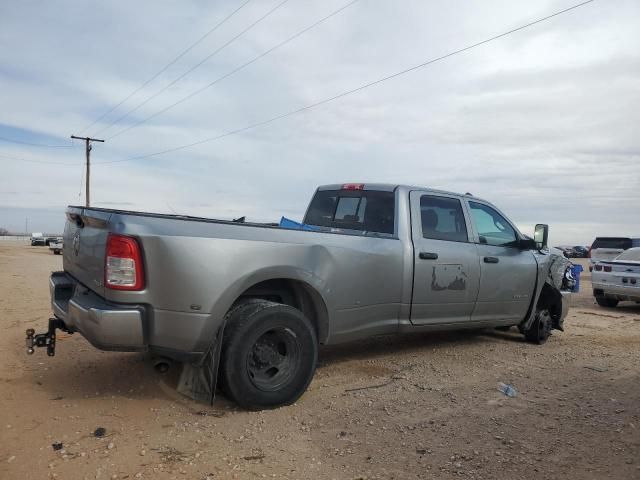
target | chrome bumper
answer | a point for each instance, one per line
(105, 325)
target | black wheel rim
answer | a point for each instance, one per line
(273, 359)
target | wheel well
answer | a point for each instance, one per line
(296, 294)
(551, 299)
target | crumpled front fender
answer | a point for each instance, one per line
(552, 266)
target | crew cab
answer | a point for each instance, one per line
(249, 303)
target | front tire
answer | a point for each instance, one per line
(269, 354)
(607, 302)
(540, 329)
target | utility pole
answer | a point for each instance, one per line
(88, 153)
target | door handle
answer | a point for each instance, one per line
(428, 256)
(491, 260)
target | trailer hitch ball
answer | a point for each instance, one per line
(30, 333)
(47, 340)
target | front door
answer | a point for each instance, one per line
(508, 274)
(447, 270)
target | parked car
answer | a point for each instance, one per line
(49, 240)
(56, 246)
(257, 300)
(37, 238)
(579, 252)
(566, 251)
(607, 248)
(618, 279)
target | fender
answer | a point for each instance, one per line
(548, 264)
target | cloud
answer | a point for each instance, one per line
(542, 123)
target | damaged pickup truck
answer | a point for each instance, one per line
(250, 303)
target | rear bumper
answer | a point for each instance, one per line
(618, 292)
(105, 325)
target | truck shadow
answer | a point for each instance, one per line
(412, 343)
(107, 374)
(132, 376)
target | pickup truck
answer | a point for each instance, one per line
(55, 246)
(37, 238)
(250, 303)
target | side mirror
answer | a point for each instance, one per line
(541, 235)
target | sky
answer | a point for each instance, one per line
(544, 122)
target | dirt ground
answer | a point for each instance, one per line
(432, 409)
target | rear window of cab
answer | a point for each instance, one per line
(360, 210)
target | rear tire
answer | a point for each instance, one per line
(540, 329)
(607, 302)
(269, 354)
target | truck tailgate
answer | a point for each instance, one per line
(85, 238)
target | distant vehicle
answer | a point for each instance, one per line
(49, 240)
(579, 252)
(618, 279)
(374, 259)
(56, 246)
(37, 238)
(566, 251)
(608, 248)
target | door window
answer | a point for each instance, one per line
(492, 228)
(442, 219)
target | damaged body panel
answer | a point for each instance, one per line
(249, 302)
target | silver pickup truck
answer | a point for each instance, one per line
(250, 303)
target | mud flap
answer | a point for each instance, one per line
(199, 381)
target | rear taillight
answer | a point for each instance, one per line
(123, 269)
(598, 268)
(607, 268)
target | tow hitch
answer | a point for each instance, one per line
(45, 339)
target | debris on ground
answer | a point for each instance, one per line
(596, 368)
(99, 432)
(508, 390)
(56, 446)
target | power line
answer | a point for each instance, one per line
(197, 65)
(354, 90)
(38, 161)
(31, 144)
(235, 70)
(164, 69)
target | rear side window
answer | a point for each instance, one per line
(366, 211)
(442, 219)
(621, 243)
(492, 228)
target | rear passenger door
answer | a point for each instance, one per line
(446, 266)
(508, 274)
